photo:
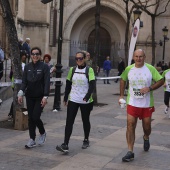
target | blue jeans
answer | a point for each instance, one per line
(106, 74)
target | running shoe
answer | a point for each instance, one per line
(146, 144)
(63, 148)
(166, 110)
(85, 144)
(42, 139)
(31, 143)
(128, 157)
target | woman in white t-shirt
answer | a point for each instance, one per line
(78, 93)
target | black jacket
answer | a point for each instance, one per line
(121, 66)
(36, 80)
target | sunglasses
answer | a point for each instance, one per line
(35, 54)
(79, 58)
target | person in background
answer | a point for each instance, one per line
(35, 85)
(88, 60)
(23, 60)
(1, 62)
(20, 44)
(26, 48)
(163, 65)
(166, 76)
(10, 114)
(166, 66)
(159, 64)
(143, 79)
(78, 94)
(107, 67)
(121, 67)
(47, 59)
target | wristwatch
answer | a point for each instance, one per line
(150, 88)
(45, 97)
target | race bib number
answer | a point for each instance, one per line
(137, 94)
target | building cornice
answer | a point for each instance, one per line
(28, 23)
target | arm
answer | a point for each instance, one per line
(46, 73)
(157, 84)
(90, 90)
(23, 86)
(67, 91)
(122, 88)
(152, 87)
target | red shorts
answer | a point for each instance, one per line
(140, 112)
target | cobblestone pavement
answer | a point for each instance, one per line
(107, 139)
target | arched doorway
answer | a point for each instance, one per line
(104, 45)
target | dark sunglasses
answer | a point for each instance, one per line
(79, 58)
(35, 54)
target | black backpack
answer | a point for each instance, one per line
(86, 72)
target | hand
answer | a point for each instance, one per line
(43, 102)
(145, 90)
(121, 97)
(20, 99)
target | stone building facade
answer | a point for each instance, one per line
(40, 23)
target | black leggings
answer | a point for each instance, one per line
(166, 98)
(34, 113)
(72, 110)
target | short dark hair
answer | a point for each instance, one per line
(36, 48)
(80, 52)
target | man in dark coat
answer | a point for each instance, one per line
(121, 67)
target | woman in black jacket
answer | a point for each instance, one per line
(35, 85)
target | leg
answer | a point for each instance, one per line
(31, 123)
(130, 133)
(166, 101)
(118, 75)
(108, 71)
(166, 98)
(72, 109)
(146, 123)
(36, 116)
(85, 114)
(105, 75)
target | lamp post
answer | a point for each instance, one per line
(57, 97)
(136, 14)
(165, 33)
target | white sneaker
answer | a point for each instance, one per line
(31, 143)
(42, 139)
(166, 110)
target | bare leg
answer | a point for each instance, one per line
(130, 133)
(146, 122)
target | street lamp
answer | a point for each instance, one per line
(136, 14)
(58, 84)
(165, 33)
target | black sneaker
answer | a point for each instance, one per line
(146, 144)
(128, 157)
(85, 144)
(63, 148)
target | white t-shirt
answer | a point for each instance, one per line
(166, 75)
(138, 79)
(80, 86)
